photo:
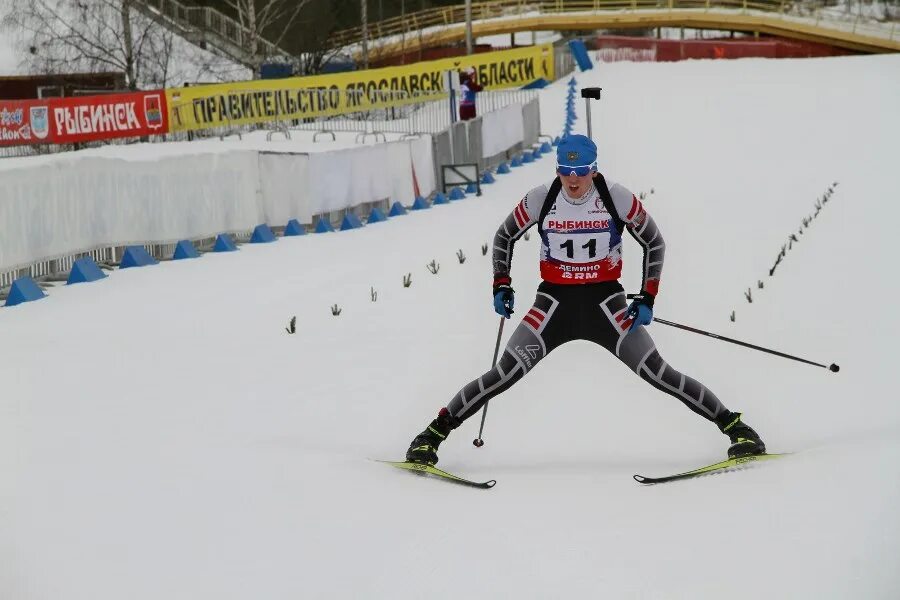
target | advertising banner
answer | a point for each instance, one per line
(248, 102)
(15, 123)
(89, 118)
(83, 118)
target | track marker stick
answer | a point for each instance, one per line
(590, 94)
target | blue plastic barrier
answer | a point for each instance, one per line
(580, 53)
(262, 234)
(224, 243)
(24, 289)
(376, 216)
(420, 203)
(397, 210)
(185, 249)
(351, 221)
(294, 228)
(85, 270)
(136, 256)
(457, 193)
(323, 225)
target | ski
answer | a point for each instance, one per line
(420, 469)
(732, 464)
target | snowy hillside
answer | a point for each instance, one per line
(161, 436)
(9, 61)
(186, 62)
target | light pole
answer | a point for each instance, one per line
(364, 13)
(468, 27)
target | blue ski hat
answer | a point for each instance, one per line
(575, 151)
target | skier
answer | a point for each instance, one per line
(580, 218)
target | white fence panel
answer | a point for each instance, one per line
(61, 208)
(284, 187)
(501, 129)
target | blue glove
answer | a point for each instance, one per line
(504, 299)
(504, 296)
(641, 310)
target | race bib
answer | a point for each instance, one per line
(578, 247)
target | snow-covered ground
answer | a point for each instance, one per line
(300, 141)
(522, 38)
(161, 436)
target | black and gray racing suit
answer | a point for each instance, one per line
(580, 297)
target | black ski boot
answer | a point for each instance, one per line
(744, 441)
(423, 449)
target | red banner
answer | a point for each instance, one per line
(83, 119)
(90, 118)
(611, 48)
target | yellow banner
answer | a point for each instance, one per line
(248, 102)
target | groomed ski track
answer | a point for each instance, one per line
(163, 437)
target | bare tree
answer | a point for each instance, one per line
(91, 35)
(312, 62)
(265, 20)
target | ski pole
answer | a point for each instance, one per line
(478, 442)
(832, 367)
